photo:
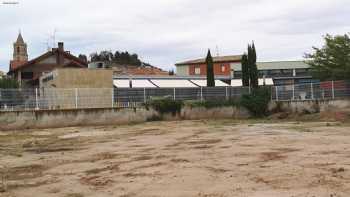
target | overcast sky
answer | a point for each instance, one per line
(164, 32)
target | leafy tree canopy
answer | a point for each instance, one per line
(332, 61)
(116, 57)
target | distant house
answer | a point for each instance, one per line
(198, 67)
(124, 69)
(282, 72)
(28, 72)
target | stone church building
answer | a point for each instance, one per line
(28, 72)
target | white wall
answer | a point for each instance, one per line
(183, 70)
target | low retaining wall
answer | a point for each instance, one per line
(195, 113)
(92, 117)
(67, 118)
(310, 106)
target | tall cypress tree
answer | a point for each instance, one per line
(245, 70)
(210, 70)
(253, 69)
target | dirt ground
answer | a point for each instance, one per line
(177, 159)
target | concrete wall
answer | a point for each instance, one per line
(78, 78)
(189, 113)
(66, 118)
(92, 117)
(311, 106)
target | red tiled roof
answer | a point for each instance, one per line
(16, 64)
(48, 54)
(147, 71)
(216, 59)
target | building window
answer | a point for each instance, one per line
(27, 75)
(223, 68)
(197, 70)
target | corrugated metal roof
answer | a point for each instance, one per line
(121, 83)
(175, 83)
(142, 84)
(216, 59)
(125, 83)
(203, 83)
(238, 82)
(274, 65)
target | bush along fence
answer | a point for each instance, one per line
(256, 103)
(80, 98)
(329, 90)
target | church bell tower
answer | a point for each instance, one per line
(20, 49)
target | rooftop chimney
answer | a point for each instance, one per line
(61, 46)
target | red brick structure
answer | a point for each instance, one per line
(222, 65)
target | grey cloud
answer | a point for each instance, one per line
(164, 32)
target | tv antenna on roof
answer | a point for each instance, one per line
(217, 51)
(53, 37)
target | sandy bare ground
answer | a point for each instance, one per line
(178, 159)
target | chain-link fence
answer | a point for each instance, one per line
(79, 98)
(329, 90)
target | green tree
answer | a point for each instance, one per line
(253, 69)
(83, 57)
(245, 70)
(210, 70)
(8, 83)
(332, 61)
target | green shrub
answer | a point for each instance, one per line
(257, 102)
(212, 104)
(8, 83)
(165, 105)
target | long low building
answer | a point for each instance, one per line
(177, 82)
(282, 72)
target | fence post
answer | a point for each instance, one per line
(312, 91)
(174, 94)
(293, 92)
(226, 93)
(201, 93)
(76, 98)
(272, 93)
(333, 92)
(144, 95)
(276, 87)
(112, 97)
(36, 99)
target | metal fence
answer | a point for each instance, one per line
(54, 98)
(78, 98)
(329, 90)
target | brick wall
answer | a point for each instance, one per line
(219, 69)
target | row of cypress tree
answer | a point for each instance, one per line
(250, 74)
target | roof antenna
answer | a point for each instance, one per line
(217, 51)
(54, 38)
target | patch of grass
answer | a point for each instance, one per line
(300, 129)
(74, 195)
